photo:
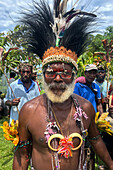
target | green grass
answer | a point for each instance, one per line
(98, 162)
(6, 150)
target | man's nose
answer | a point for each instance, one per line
(58, 78)
(26, 73)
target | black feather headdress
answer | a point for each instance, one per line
(46, 29)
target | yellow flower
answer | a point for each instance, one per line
(12, 123)
(11, 132)
(96, 117)
(102, 124)
(6, 124)
(103, 116)
(7, 137)
(5, 129)
(16, 140)
(16, 124)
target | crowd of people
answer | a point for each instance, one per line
(55, 127)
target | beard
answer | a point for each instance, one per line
(100, 79)
(65, 91)
(26, 79)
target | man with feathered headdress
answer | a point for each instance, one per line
(54, 125)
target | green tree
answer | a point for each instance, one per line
(15, 49)
(96, 44)
(109, 33)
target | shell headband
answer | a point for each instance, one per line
(59, 54)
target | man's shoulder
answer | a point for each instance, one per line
(80, 99)
(104, 83)
(79, 84)
(33, 107)
(35, 102)
(14, 83)
(84, 103)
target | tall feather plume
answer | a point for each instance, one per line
(62, 19)
(59, 7)
(75, 37)
(59, 10)
(39, 35)
(45, 27)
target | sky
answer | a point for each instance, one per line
(10, 12)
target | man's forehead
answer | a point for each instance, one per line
(60, 65)
(25, 68)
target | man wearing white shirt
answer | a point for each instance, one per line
(21, 91)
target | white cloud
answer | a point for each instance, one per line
(3, 3)
(106, 8)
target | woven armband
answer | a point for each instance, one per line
(94, 138)
(22, 144)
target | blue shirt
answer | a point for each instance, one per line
(20, 91)
(84, 91)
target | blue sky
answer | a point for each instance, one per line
(10, 9)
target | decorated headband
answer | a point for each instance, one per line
(59, 54)
(57, 36)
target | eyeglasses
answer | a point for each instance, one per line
(64, 75)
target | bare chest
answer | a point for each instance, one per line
(38, 127)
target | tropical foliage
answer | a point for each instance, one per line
(15, 49)
(100, 51)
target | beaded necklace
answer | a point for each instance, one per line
(65, 146)
(70, 116)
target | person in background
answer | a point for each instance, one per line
(102, 83)
(21, 91)
(89, 90)
(107, 138)
(85, 87)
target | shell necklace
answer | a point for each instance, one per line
(63, 146)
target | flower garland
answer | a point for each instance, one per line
(66, 144)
